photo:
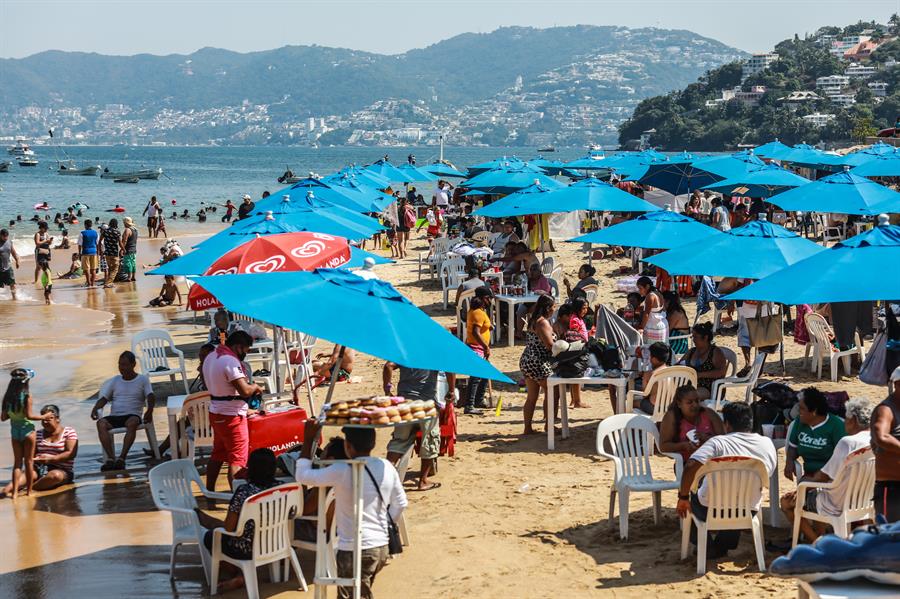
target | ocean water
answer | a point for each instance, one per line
(193, 175)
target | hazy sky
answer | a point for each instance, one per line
(389, 26)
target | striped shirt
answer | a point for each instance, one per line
(53, 448)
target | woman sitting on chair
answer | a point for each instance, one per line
(707, 359)
(260, 476)
(684, 416)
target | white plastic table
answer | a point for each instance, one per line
(850, 589)
(173, 410)
(553, 382)
(512, 301)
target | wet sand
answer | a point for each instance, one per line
(510, 520)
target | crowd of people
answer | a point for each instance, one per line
(818, 440)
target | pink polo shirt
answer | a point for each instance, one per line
(220, 368)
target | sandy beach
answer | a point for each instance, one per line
(511, 518)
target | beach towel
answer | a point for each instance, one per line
(706, 294)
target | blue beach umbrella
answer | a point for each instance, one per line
(855, 270)
(887, 165)
(807, 155)
(388, 171)
(595, 160)
(752, 251)
(509, 180)
(338, 190)
(840, 193)
(659, 230)
(675, 174)
(361, 176)
(416, 174)
(377, 319)
(552, 168)
(774, 150)
(763, 182)
(502, 162)
(442, 169)
(866, 155)
(587, 194)
(730, 166)
(311, 209)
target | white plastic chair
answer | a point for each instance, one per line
(151, 348)
(633, 440)
(858, 474)
(303, 545)
(463, 306)
(828, 232)
(196, 412)
(452, 274)
(149, 431)
(554, 288)
(590, 295)
(556, 274)
(721, 386)
(547, 266)
(273, 512)
(436, 254)
(731, 484)
(666, 380)
(170, 488)
(820, 334)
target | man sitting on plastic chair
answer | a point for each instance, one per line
(737, 441)
(126, 393)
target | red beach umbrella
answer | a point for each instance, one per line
(281, 252)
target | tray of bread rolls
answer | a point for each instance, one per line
(376, 412)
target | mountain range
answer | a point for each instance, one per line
(569, 66)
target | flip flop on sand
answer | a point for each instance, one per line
(430, 487)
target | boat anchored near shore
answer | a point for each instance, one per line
(144, 173)
(68, 167)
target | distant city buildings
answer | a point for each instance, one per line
(757, 63)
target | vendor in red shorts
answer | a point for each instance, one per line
(228, 384)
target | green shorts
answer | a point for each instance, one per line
(21, 429)
(7, 278)
(129, 263)
(404, 437)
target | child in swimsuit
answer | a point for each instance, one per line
(17, 409)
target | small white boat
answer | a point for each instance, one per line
(20, 149)
(69, 167)
(4, 166)
(126, 180)
(144, 173)
(27, 160)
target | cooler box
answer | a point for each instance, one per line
(279, 429)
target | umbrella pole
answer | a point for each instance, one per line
(334, 375)
(276, 350)
(541, 234)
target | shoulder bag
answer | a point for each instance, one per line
(764, 331)
(395, 545)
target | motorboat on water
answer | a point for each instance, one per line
(4, 166)
(144, 173)
(126, 180)
(547, 149)
(289, 178)
(27, 160)
(21, 148)
(68, 167)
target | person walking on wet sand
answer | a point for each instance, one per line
(88, 242)
(17, 409)
(152, 210)
(127, 393)
(129, 249)
(7, 253)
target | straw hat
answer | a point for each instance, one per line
(127, 221)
